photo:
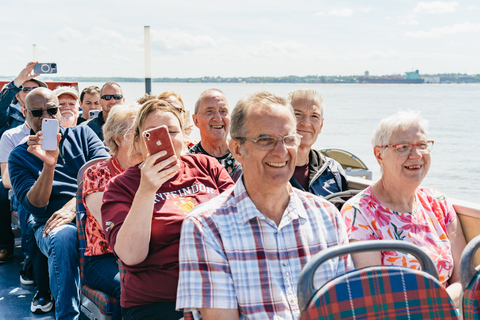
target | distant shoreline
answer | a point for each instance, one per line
(313, 79)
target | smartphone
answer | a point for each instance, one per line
(158, 139)
(45, 68)
(93, 113)
(49, 131)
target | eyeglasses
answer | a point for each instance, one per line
(37, 113)
(109, 97)
(28, 89)
(268, 143)
(405, 148)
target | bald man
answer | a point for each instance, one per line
(45, 185)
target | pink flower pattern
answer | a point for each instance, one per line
(425, 226)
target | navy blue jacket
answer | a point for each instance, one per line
(325, 175)
(9, 116)
(78, 145)
(96, 124)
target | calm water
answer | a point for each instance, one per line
(354, 110)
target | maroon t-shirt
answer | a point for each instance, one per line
(301, 175)
(200, 179)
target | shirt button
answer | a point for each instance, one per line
(284, 264)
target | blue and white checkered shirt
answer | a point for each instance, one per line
(232, 256)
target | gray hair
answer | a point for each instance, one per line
(119, 122)
(400, 120)
(203, 95)
(260, 100)
(307, 94)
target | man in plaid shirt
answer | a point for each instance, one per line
(241, 253)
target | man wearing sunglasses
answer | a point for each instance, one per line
(242, 252)
(110, 95)
(45, 183)
(12, 99)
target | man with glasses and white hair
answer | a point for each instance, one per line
(222, 274)
(45, 184)
(12, 98)
(110, 95)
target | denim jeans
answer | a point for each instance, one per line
(101, 273)
(39, 261)
(61, 248)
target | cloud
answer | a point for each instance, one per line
(466, 27)
(436, 7)
(344, 12)
(67, 34)
(176, 41)
(409, 19)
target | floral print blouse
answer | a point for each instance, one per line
(426, 227)
(95, 179)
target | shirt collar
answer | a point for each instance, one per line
(247, 210)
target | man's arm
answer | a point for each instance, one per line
(224, 314)
(39, 194)
(5, 176)
(7, 95)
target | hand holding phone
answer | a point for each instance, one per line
(49, 132)
(158, 139)
(93, 113)
(45, 68)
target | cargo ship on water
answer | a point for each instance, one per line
(410, 77)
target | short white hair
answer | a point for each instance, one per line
(400, 120)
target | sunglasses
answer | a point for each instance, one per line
(109, 97)
(28, 89)
(37, 113)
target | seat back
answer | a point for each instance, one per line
(378, 292)
(470, 280)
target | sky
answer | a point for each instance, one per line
(240, 38)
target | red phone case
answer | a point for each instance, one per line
(158, 139)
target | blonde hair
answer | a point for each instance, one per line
(119, 122)
(146, 109)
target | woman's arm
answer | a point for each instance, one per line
(457, 239)
(94, 203)
(366, 259)
(133, 238)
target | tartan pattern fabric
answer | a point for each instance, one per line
(103, 301)
(471, 300)
(381, 293)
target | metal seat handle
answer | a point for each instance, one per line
(305, 281)
(467, 262)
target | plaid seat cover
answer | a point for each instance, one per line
(471, 299)
(381, 293)
(103, 301)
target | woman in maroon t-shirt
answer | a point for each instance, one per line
(143, 210)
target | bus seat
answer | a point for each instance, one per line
(376, 292)
(470, 280)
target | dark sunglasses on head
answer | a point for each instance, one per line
(108, 97)
(28, 89)
(37, 113)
